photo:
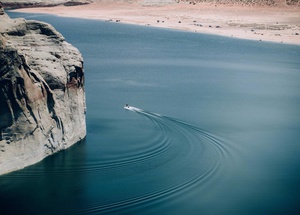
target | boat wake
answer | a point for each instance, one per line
(184, 160)
(178, 160)
(198, 155)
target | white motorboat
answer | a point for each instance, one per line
(127, 107)
(131, 108)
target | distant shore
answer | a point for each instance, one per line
(265, 23)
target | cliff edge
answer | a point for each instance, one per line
(42, 93)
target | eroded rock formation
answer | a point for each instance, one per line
(42, 97)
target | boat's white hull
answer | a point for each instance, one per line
(127, 107)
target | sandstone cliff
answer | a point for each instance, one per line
(42, 97)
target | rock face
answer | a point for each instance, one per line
(42, 93)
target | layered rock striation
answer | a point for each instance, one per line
(42, 96)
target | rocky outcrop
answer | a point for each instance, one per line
(13, 4)
(42, 93)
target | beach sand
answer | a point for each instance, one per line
(263, 23)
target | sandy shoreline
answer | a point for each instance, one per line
(276, 24)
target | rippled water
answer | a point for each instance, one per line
(216, 128)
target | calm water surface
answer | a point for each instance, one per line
(217, 129)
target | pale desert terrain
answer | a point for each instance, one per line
(264, 23)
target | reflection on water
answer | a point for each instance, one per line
(221, 135)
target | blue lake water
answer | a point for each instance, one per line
(217, 130)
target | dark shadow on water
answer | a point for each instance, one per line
(57, 177)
